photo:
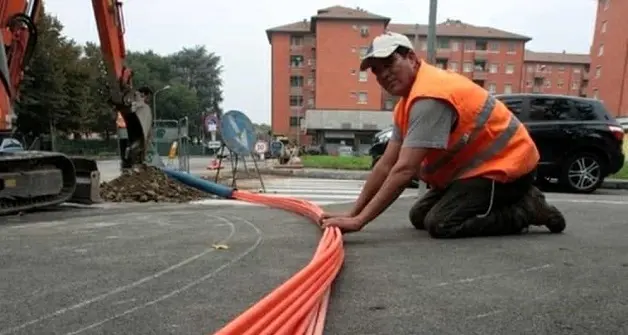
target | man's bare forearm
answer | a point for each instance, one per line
(373, 183)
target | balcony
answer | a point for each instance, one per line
(443, 53)
(480, 75)
(538, 74)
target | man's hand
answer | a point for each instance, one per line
(346, 224)
(326, 216)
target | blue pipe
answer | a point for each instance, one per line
(200, 183)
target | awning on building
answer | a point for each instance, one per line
(320, 119)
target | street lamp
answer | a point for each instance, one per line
(155, 104)
(431, 33)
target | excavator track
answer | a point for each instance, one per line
(31, 180)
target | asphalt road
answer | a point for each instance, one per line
(151, 269)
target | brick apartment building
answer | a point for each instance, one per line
(317, 86)
(609, 56)
(555, 73)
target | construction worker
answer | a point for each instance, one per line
(477, 157)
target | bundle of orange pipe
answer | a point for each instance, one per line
(299, 305)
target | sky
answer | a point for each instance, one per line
(235, 30)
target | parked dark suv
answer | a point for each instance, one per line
(579, 142)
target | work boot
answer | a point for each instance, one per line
(544, 214)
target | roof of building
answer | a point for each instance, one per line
(449, 28)
(329, 13)
(556, 57)
(457, 28)
(340, 12)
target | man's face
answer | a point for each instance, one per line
(396, 73)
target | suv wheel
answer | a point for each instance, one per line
(582, 172)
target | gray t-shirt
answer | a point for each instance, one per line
(429, 125)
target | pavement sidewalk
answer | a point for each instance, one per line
(616, 184)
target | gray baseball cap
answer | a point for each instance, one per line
(383, 46)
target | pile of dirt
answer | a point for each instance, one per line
(146, 184)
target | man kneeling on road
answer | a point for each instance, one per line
(478, 159)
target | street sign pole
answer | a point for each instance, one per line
(238, 134)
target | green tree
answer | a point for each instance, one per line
(44, 100)
(101, 117)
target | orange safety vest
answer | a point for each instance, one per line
(488, 140)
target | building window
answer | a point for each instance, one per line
(508, 89)
(510, 69)
(493, 68)
(604, 27)
(310, 102)
(607, 4)
(296, 41)
(310, 80)
(512, 47)
(600, 51)
(363, 76)
(481, 45)
(598, 71)
(494, 46)
(362, 98)
(442, 43)
(296, 81)
(455, 46)
(561, 68)
(469, 45)
(576, 70)
(363, 51)
(548, 83)
(296, 100)
(364, 31)
(296, 61)
(389, 104)
(560, 83)
(295, 121)
(467, 67)
(492, 88)
(595, 94)
(530, 68)
(575, 85)
(453, 66)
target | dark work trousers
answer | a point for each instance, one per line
(478, 207)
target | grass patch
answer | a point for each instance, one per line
(621, 174)
(337, 162)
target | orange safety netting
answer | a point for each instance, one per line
(299, 305)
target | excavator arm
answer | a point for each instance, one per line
(37, 179)
(130, 104)
(19, 37)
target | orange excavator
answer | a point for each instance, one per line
(36, 179)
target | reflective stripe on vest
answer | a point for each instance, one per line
(481, 119)
(498, 145)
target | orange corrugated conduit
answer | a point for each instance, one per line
(299, 305)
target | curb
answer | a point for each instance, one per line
(612, 184)
(615, 184)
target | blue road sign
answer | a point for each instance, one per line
(275, 148)
(237, 132)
